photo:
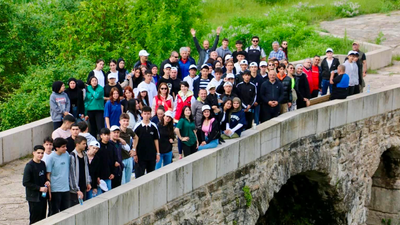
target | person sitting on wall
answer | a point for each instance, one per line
(340, 84)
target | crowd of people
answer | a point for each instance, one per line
(126, 121)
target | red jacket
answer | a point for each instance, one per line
(180, 103)
(312, 77)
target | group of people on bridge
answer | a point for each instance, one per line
(124, 122)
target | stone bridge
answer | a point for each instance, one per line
(333, 163)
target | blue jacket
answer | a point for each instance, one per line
(184, 68)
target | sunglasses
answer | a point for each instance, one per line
(271, 64)
(163, 88)
(255, 40)
(291, 68)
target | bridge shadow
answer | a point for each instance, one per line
(384, 206)
(306, 198)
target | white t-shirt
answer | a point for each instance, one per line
(100, 77)
(190, 81)
(46, 157)
(151, 90)
(329, 62)
(217, 83)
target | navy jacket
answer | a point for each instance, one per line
(271, 92)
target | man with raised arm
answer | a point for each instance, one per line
(204, 53)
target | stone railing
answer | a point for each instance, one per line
(150, 192)
(18, 142)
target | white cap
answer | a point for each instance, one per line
(230, 75)
(263, 63)
(328, 50)
(253, 64)
(352, 53)
(243, 62)
(174, 68)
(227, 57)
(205, 107)
(143, 53)
(167, 66)
(103, 185)
(142, 89)
(192, 67)
(205, 65)
(114, 128)
(94, 143)
(228, 84)
(169, 113)
(210, 85)
(112, 76)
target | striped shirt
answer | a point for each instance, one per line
(204, 83)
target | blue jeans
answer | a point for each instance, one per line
(325, 84)
(212, 144)
(127, 172)
(90, 194)
(166, 158)
(256, 115)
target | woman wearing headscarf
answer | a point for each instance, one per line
(59, 104)
(75, 95)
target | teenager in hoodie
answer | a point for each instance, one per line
(59, 104)
(236, 121)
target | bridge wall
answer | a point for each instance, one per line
(157, 189)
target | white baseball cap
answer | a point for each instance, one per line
(169, 113)
(329, 50)
(243, 62)
(192, 67)
(210, 85)
(230, 75)
(227, 57)
(94, 143)
(352, 53)
(143, 53)
(174, 68)
(204, 66)
(253, 64)
(112, 76)
(228, 84)
(142, 89)
(205, 107)
(114, 128)
(263, 63)
(167, 66)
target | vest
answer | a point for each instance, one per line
(180, 104)
(254, 55)
(167, 104)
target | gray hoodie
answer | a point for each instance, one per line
(59, 103)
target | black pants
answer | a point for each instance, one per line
(96, 121)
(267, 112)
(116, 182)
(37, 210)
(249, 119)
(74, 198)
(143, 166)
(59, 201)
(353, 90)
(188, 150)
(314, 93)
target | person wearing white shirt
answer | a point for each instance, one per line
(192, 76)
(149, 86)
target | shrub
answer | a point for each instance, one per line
(345, 8)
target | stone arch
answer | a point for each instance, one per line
(306, 198)
(384, 204)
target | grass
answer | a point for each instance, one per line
(395, 58)
(369, 71)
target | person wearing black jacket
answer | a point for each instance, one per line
(75, 95)
(36, 183)
(302, 88)
(230, 77)
(173, 60)
(209, 134)
(287, 88)
(167, 136)
(204, 53)
(94, 168)
(271, 96)
(107, 159)
(329, 65)
(247, 92)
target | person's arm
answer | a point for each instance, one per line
(280, 99)
(364, 65)
(194, 109)
(73, 184)
(107, 114)
(157, 149)
(254, 97)
(216, 39)
(237, 127)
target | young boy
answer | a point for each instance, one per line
(217, 79)
(94, 168)
(127, 135)
(58, 174)
(212, 98)
(63, 131)
(107, 159)
(79, 178)
(84, 132)
(48, 148)
(146, 149)
(117, 145)
(36, 183)
(71, 140)
(192, 76)
(247, 92)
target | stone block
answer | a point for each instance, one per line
(370, 107)
(179, 179)
(153, 193)
(338, 113)
(308, 122)
(290, 130)
(323, 117)
(61, 218)
(93, 211)
(385, 101)
(355, 104)
(204, 168)
(396, 98)
(1, 151)
(385, 200)
(123, 203)
(227, 159)
(249, 147)
(17, 143)
(40, 130)
(270, 137)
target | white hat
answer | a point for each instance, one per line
(114, 128)
(204, 66)
(352, 53)
(205, 107)
(192, 67)
(94, 143)
(167, 66)
(228, 84)
(329, 50)
(169, 113)
(227, 57)
(142, 89)
(143, 53)
(103, 185)
(243, 62)
(253, 64)
(112, 76)
(263, 63)
(230, 75)
(174, 68)
(211, 85)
